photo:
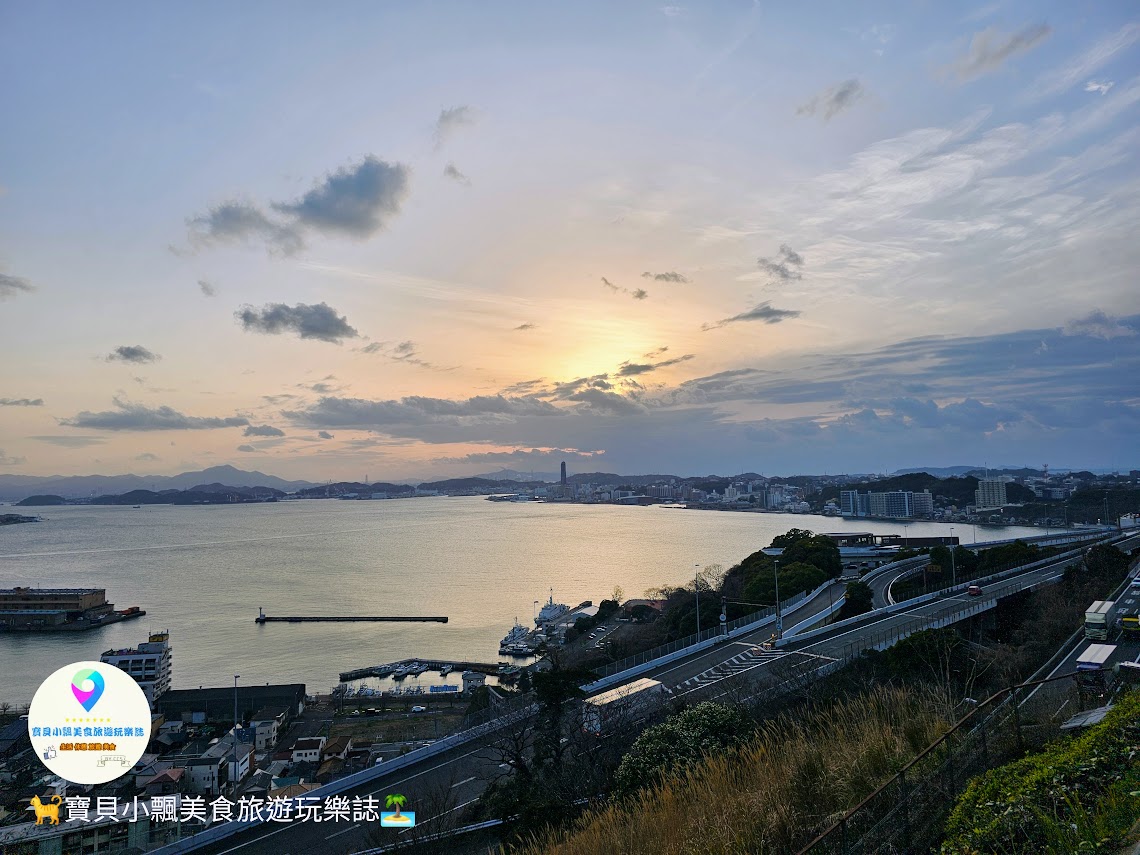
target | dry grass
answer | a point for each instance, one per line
(774, 794)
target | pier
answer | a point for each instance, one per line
(264, 618)
(432, 665)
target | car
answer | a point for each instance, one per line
(418, 708)
(593, 635)
(974, 591)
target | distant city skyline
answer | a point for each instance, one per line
(429, 243)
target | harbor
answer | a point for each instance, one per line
(414, 667)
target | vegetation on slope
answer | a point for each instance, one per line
(774, 792)
(1077, 795)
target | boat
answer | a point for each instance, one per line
(509, 673)
(518, 649)
(400, 673)
(445, 670)
(551, 611)
(518, 633)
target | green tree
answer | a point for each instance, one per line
(794, 579)
(791, 536)
(679, 741)
(820, 551)
(858, 599)
(396, 801)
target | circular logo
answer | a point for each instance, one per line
(89, 722)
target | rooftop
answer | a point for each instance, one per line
(53, 590)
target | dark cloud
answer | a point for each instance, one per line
(523, 387)
(639, 294)
(404, 351)
(319, 321)
(632, 369)
(990, 48)
(834, 100)
(357, 201)
(146, 456)
(452, 171)
(135, 353)
(247, 448)
(278, 399)
(262, 430)
(139, 417)
(610, 285)
(450, 121)
(10, 286)
(564, 390)
(239, 222)
(208, 289)
(764, 312)
(665, 277)
(21, 402)
(70, 441)
(526, 326)
(784, 265)
(324, 434)
(1098, 325)
(407, 414)
(607, 403)
(518, 457)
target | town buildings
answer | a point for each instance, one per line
(149, 664)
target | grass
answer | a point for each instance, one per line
(774, 793)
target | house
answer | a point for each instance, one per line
(237, 754)
(148, 766)
(14, 738)
(338, 748)
(330, 770)
(267, 723)
(203, 774)
(308, 750)
(165, 783)
(292, 791)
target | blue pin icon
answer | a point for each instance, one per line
(87, 697)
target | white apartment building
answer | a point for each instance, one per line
(990, 493)
(149, 664)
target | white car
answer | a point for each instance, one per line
(419, 709)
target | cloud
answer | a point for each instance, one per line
(1098, 87)
(11, 461)
(452, 171)
(146, 456)
(672, 11)
(208, 289)
(764, 312)
(278, 399)
(518, 456)
(356, 201)
(262, 430)
(1098, 325)
(639, 294)
(239, 222)
(247, 447)
(834, 100)
(610, 285)
(410, 415)
(450, 121)
(632, 369)
(404, 351)
(526, 326)
(319, 321)
(784, 265)
(990, 47)
(1096, 57)
(134, 353)
(10, 286)
(21, 402)
(70, 441)
(139, 417)
(324, 434)
(665, 277)
(607, 403)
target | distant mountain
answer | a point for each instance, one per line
(207, 494)
(517, 475)
(82, 486)
(940, 471)
(341, 488)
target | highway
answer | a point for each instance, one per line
(460, 773)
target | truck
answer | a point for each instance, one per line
(1100, 619)
(622, 705)
(1092, 665)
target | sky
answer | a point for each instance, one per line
(399, 241)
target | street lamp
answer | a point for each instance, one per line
(953, 573)
(235, 775)
(779, 617)
(697, 591)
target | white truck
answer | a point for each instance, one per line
(622, 705)
(1100, 619)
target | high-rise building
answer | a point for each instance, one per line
(563, 473)
(149, 664)
(922, 504)
(849, 503)
(990, 493)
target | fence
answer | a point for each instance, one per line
(906, 813)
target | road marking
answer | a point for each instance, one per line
(464, 781)
(438, 815)
(346, 831)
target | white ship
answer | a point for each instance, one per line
(552, 611)
(518, 633)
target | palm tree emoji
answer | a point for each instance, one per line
(395, 801)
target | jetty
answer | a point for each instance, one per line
(262, 617)
(432, 665)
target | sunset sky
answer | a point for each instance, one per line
(439, 239)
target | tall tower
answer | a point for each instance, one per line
(563, 473)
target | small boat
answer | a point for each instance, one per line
(445, 670)
(136, 507)
(400, 673)
(519, 649)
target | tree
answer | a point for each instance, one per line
(858, 599)
(643, 614)
(820, 551)
(794, 579)
(397, 801)
(790, 537)
(618, 595)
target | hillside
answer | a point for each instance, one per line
(14, 487)
(959, 490)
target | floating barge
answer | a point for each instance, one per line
(262, 617)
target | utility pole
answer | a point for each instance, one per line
(953, 572)
(779, 617)
(697, 591)
(235, 776)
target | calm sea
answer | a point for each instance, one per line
(202, 572)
